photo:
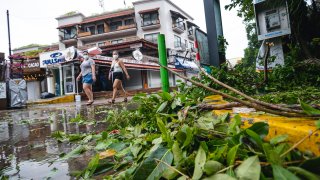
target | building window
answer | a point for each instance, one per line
(70, 33)
(115, 25)
(178, 23)
(100, 44)
(190, 31)
(128, 22)
(177, 41)
(100, 28)
(150, 19)
(152, 37)
(191, 44)
(91, 29)
(117, 41)
(186, 43)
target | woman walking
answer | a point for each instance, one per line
(117, 70)
(88, 76)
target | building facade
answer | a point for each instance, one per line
(124, 30)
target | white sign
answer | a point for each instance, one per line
(3, 90)
(51, 58)
(135, 46)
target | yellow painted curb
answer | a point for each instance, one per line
(56, 100)
(295, 128)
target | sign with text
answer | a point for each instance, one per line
(52, 58)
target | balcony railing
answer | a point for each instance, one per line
(147, 25)
(83, 34)
(107, 30)
(179, 28)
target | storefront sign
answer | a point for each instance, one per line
(3, 90)
(51, 58)
(135, 46)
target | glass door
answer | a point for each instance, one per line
(68, 73)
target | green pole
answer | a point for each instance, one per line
(162, 50)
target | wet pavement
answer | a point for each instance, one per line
(27, 150)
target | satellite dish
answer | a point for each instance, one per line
(71, 53)
(137, 55)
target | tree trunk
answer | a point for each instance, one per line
(302, 42)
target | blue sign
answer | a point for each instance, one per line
(51, 58)
(56, 55)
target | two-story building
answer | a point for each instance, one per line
(126, 30)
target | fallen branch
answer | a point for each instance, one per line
(249, 98)
(174, 169)
(298, 143)
(218, 106)
(249, 104)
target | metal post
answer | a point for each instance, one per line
(8, 21)
(214, 29)
(162, 50)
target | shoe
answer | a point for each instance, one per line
(112, 101)
(89, 103)
(125, 100)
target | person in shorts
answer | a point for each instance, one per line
(117, 70)
(88, 75)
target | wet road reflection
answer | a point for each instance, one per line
(27, 150)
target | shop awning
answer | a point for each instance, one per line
(191, 24)
(177, 14)
(149, 11)
(180, 63)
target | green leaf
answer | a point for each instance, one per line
(165, 134)
(308, 175)
(92, 166)
(279, 139)
(177, 153)
(150, 169)
(272, 156)
(103, 145)
(199, 163)
(75, 152)
(165, 96)
(279, 173)
(162, 106)
(135, 150)
(257, 139)
(318, 124)
(249, 169)
(231, 156)
(212, 167)
(220, 177)
(261, 128)
(189, 133)
(309, 109)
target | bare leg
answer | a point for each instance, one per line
(124, 91)
(87, 90)
(115, 88)
(91, 92)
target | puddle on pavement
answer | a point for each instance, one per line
(27, 149)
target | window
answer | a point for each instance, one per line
(177, 41)
(100, 28)
(152, 37)
(150, 19)
(70, 33)
(115, 25)
(128, 22)
(100, 44)
(191, 44)
(117, 41)
(91, 29)
(190, 30)
(186, 43)
(178, 23)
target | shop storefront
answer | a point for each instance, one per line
(51, 63)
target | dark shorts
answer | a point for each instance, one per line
(87, 79)
(117, 75)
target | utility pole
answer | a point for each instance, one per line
(8, 21)
(214, 30)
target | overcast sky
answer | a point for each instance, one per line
(33, 21)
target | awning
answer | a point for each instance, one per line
(191, 24)
(177, 14)
(149, 11)
(180, 63)
(67, 25)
